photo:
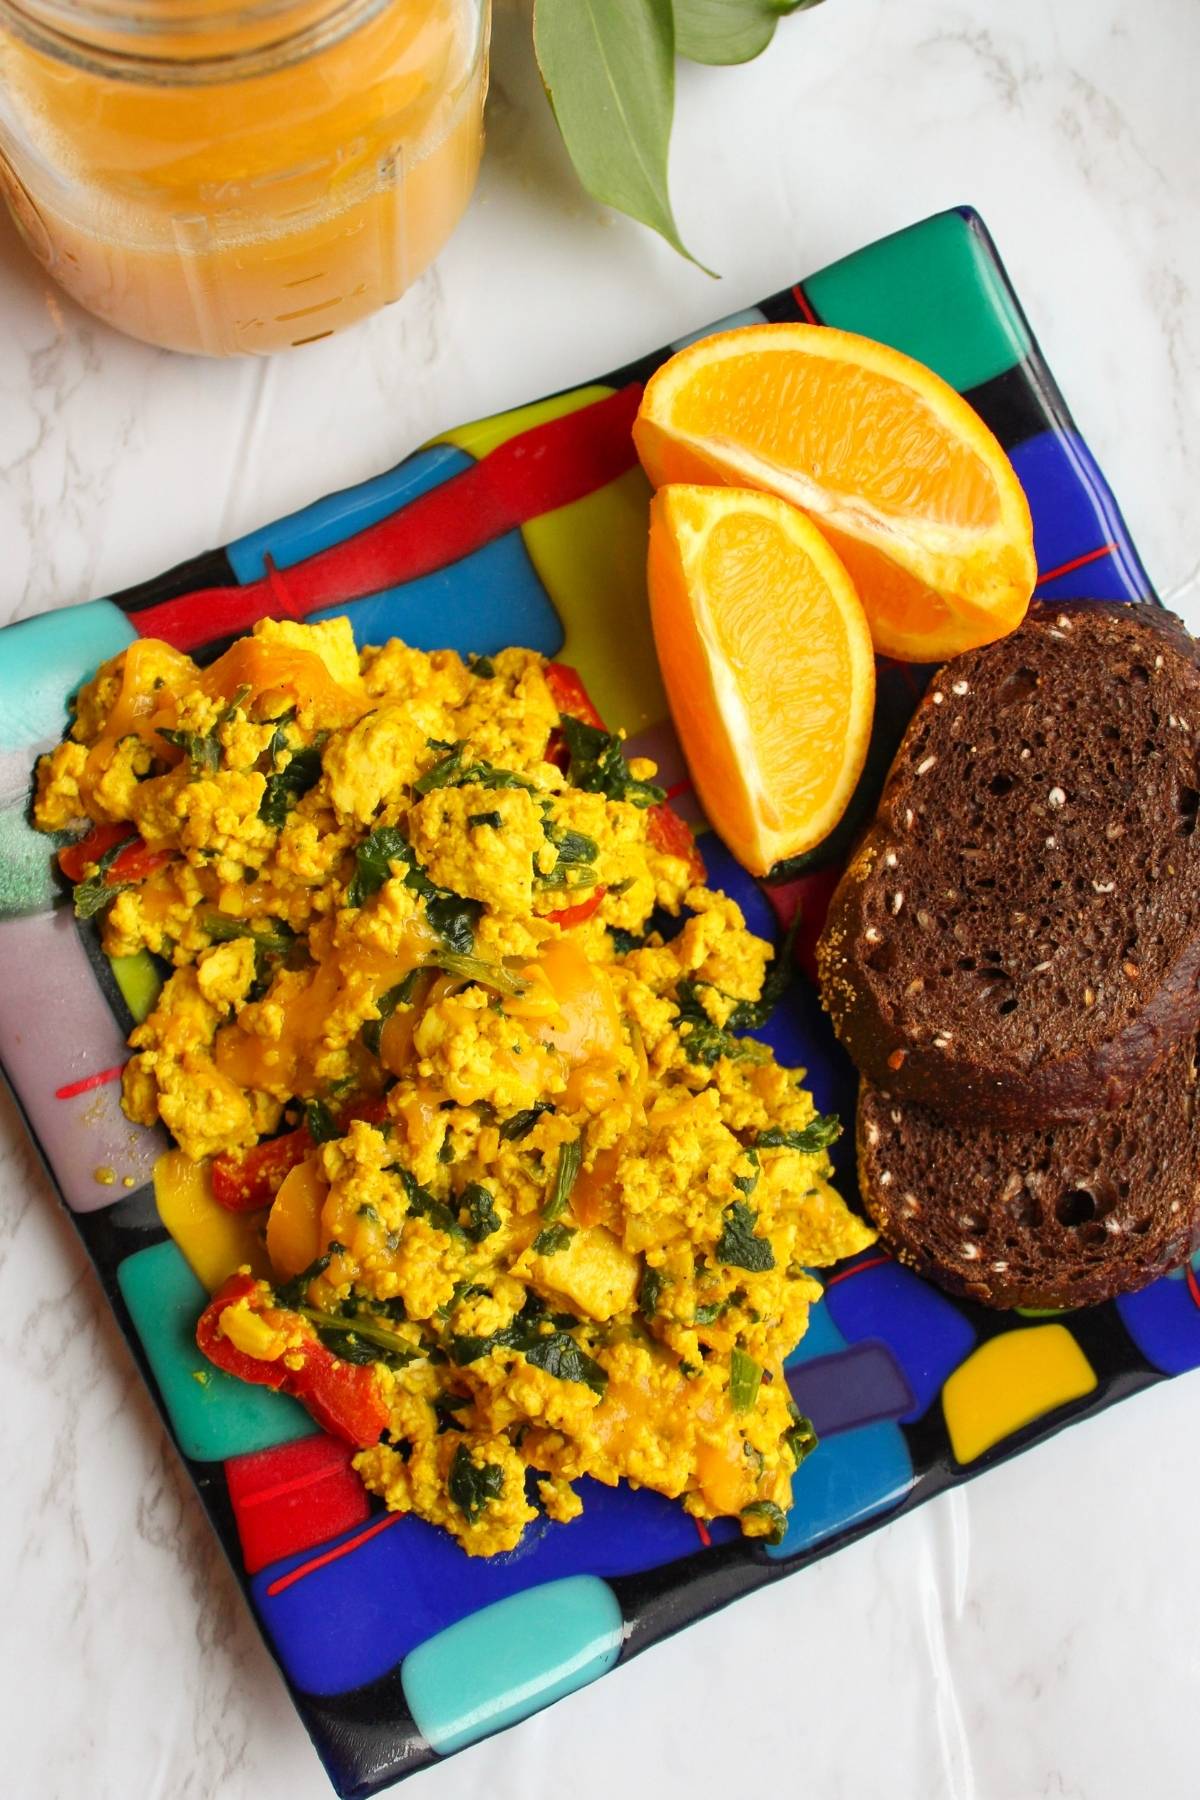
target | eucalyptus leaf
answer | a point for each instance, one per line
(724, 31)
(608, 67)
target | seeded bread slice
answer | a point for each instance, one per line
(1066, 1216)
(1017, 937)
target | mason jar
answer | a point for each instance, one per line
(239, 178)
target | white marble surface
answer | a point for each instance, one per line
(1034, 1634)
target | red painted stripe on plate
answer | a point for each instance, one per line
(705, 1533)
(1193, 1287)
(1076, 562)
(802, 301)
(318, 1562)
(73, 1088)
(876, 1262)
(535, 472)
(262, 1495)
(679, 787)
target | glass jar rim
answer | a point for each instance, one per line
(147, 40)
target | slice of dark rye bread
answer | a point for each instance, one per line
(1017, 937)
(1065, 1216)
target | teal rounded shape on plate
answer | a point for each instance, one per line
(502, 1664)
(46, 660)
(933, 291)
(213, 1416)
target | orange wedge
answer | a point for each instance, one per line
(766, 656)
(903, 477)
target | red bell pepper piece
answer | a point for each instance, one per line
(672, 836)
(344, 1398)
(134, 863)
(247, 1181)
(569, 694)
(575, 915)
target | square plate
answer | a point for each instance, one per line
(530, 527)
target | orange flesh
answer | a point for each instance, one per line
(770, 695)
(853, 431)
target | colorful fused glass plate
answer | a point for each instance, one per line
(530, 528)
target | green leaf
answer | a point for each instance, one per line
(472, 1488)
(767, 1509)
(289, 784)
(818, 1134)
(481, 1211)
(552, 1238)
(569, 1158)
(520, 1124)
(744, 1378)
(729, 31)
(386, 1004)
(323, 1128)
(597, 763)
(800, 1437)
(738, 1246)
(608, 67)
(559, 1355)
(93, 895)
(422, 1204)
(650, 1291)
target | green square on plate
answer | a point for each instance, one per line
(933, 292)
(213, 1415)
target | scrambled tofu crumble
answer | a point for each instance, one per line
(528, 1187)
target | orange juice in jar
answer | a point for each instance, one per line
(227, 179)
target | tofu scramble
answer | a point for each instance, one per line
(534, 1209)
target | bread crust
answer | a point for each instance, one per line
(1062, 1217)
(1049, 791)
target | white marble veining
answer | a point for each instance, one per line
(1030, 1636)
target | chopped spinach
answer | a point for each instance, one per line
(569, 1158)
(708, 1312)
(555, 1350)
(522, 1123)
(559, 1355)
(800, 1438)
(400, 995)
(704, 1042)
(445, 1405)
(738, 1246)
(491, 819)
(453, 771)
(483, 667)
(443, 773)
(373, 859)
(552, 1238)
(767, 1509)
(292, 1293)
(473, 1488)
(93, 895)
(483, 1219)
(202, 751)
(744, 1378)
(818, 1134)
(597, 763)
(575, 864)
(422, 1205)
(623, 941)
(473, 968)
(322, 1126)
(276, 940)
(748, 1183)
(287, 785)
(649, 1292)
(360, 1339)
(452, 917)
